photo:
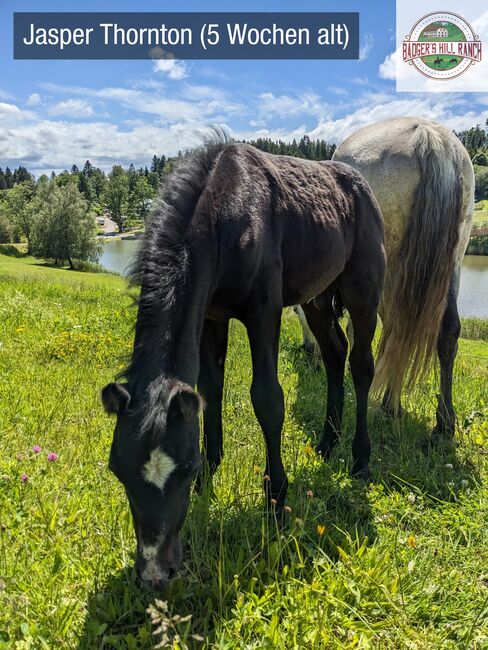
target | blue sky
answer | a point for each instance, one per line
(55, 113)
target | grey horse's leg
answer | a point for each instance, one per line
(213, 349)
(263, 327)
(389, 406)
(447, 345)
(309, 343)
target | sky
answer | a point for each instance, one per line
(57, 113)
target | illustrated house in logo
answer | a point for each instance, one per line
(435, 31)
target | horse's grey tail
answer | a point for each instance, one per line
(418, 283)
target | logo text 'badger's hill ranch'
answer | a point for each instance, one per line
(442, 46)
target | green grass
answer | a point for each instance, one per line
(401, 563)
(480, 216)
(474, 328)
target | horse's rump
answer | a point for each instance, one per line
(427, 160)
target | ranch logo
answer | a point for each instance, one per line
(442, 46)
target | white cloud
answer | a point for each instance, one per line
(173, 68)
(10, 114)
(285, 106)
(191, 103)
(338, 90)
(9, 110)
(71, 108)
(366, 47)
(454, 112)
(34, 100)
(387, 69)
(154, 119)
(56, 144)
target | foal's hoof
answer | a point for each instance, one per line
(361, 473)
(277, 515)
(439, 440)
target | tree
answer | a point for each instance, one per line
(18, 209)
(142, 196)
(20, 175)
(481, 182)
(9, 180)
(85, 187)
(117, 195)
(5, 230)
(481, 158)
(64, 228)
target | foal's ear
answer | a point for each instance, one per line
(115, 398)
(185, 401)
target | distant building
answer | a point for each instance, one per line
(435, 32)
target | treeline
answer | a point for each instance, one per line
(476, 142)
(304, 148)
(125, 195)
(36, 211)
(56, 215)
(9, 178)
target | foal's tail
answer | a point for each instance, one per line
(418, 279)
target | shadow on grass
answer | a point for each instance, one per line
(80, 266)
(233, 549)
(401, 454)
(116, 614)
(11, 250)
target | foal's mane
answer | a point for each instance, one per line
(160, 266)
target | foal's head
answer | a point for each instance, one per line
(155, 454)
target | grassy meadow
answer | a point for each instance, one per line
(399, 563)
(480, 215)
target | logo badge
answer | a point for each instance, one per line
(442, 46)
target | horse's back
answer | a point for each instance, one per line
(293, 215)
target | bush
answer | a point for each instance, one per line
(64, 228)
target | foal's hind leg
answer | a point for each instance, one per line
(361, 300)
(447, 345)
(213, 349)
(333, 346)
(263, 327)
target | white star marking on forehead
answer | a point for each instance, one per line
(158, 468)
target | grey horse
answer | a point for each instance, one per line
(423, 180)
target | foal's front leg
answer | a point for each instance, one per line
(213, 350)
(267, 398)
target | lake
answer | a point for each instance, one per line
(473, 293)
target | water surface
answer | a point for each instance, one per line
(473, 292)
